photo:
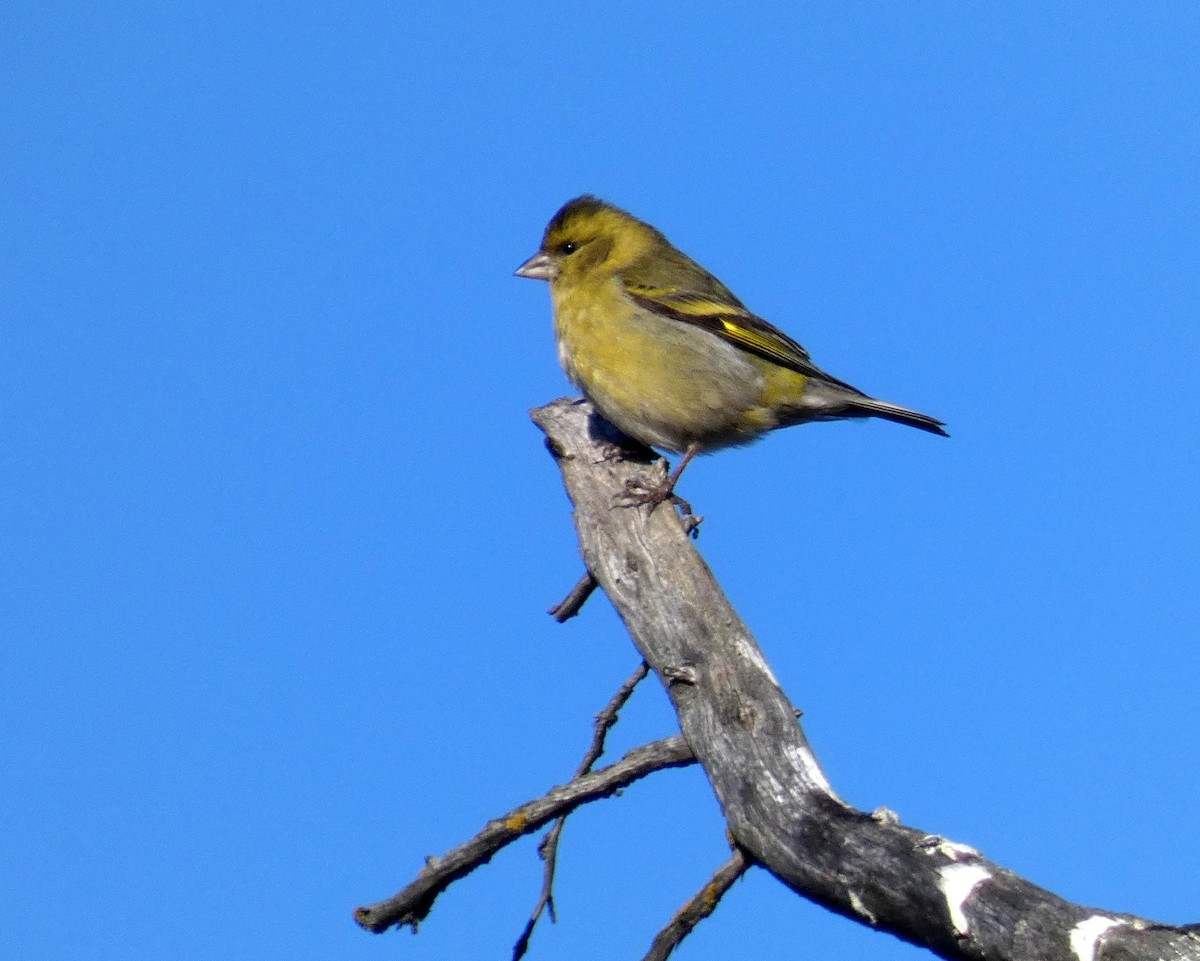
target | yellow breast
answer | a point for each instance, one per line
(661, 381)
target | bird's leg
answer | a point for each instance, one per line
(637, 494)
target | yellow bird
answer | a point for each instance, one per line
(667, 353)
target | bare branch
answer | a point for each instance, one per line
(608, 717)
(548, 848)
(412, 904)
(570, 605)
(698, 908)
(779, 807)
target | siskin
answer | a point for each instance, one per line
(667, 353)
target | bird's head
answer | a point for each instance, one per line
(589, 238)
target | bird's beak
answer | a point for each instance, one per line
(538, 267)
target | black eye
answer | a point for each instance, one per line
(567, 247)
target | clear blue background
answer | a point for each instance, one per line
(278, 536)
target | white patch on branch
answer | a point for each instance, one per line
(862, 910)
(779, 794)
(752, 654)
(882, 815)
(807, 762)
(957, 881)
(1086, 935)
(933, 844)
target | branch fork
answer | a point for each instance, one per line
(781, 811)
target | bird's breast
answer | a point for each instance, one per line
(661, 381)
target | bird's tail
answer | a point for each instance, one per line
(870, 407)
(826, 398)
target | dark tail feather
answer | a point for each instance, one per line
(870, 407)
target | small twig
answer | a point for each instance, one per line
(548, 848)
(570, 605)
(698, 908)
(411, 905)
(608, 717)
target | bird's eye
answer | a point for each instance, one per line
(567, 247)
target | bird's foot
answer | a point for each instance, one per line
(639, 493)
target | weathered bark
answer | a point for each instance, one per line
(413, 903)
(781, 812)
(780, 809)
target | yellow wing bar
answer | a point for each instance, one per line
(731, 322)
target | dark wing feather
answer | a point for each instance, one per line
(732, 322)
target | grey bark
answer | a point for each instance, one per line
(780, 809)
(412, 904)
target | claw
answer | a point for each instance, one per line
(638, 493)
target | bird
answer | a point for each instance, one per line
(668, 354)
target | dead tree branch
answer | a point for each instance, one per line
(548, 848)
(570, 605)
(780, 809)
(699, 907)
(411, 905)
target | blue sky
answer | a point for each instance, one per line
(279, 535)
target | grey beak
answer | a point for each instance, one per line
(538, 267)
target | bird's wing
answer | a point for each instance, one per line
(732, 322)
